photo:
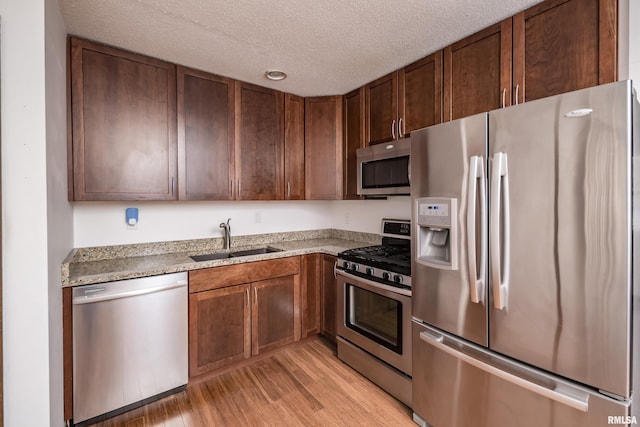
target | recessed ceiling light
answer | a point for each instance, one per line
(275, 75)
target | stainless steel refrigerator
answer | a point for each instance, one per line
(525, 286)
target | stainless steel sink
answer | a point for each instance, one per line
(210, 257)
(225, 255)
(257, 251)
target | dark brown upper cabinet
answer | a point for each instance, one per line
(353, 138)
(259, 160)
(123, 141)
(293, 147)
(564, 45)
(405, 100)
(323, 148)
(477, 72)
(205, 135)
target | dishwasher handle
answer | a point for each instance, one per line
(101, 294)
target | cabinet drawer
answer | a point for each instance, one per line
(229, 275)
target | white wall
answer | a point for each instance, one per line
(59, 210)
(101, 224)
(24, 222)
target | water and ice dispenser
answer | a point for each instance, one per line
(437, 237)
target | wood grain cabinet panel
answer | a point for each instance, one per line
(275, 313)
(242, 310)
(310, 295)
(259, 160)
(381, 101)
(205, 135)
(294, 166)
(353, 138)
(405, 100)
(219, 328)
(329, 291)
(124, 125)
(477, 72)
(323, 148)
(564, 45)
(420, 94)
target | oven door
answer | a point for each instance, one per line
(376, 318)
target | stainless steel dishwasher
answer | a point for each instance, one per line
(129, 344)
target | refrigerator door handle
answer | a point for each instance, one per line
(560, 393)
(476, 278)
(499, 227)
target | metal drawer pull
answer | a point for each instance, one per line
(560, 393)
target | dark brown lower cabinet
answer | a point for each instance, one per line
(242, 310)
(329, 289)
(310, 295)
(219, 328)
(275, 313)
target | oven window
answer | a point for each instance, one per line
(375, 316)
(391, 172)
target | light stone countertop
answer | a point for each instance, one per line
(103, 264)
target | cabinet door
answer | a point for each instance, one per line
(353, 138)
(477, 72)
(219, 328)
(259, 158)
(564, 45)
(124, 125)
(381, 99)
(310, 295)
(323, 148)
(275, 318)
(420, 88)
(294, 147)
(205, 135)
(329, 285)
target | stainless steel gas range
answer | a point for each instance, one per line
(374, 309)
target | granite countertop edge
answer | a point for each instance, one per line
(85, 266)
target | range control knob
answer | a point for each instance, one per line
(386, 276)
(397, 278)
(355, 267)
(369, 271)
(346, 265)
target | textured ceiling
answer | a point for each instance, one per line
(327, 47)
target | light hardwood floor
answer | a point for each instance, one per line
(302, 385)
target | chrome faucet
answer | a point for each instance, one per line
(227, 233)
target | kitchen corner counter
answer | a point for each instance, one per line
(85, 266)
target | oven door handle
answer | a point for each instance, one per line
(356, 280)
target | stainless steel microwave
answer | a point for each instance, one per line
(383, 169)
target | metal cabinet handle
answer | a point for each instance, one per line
(255, 293)
(173, 185)
(248, 298)
(335, 270)
(517, 90)
(288, 190)
(504, 97)
(393, 129)
(560, 393)
(232, 188)
(499, 263)
(476, 278)
(400, 133)
(239, 188)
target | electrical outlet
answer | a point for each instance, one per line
(132, 227)
(258, 217)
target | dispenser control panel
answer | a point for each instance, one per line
(436, 231)
(429, 209)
